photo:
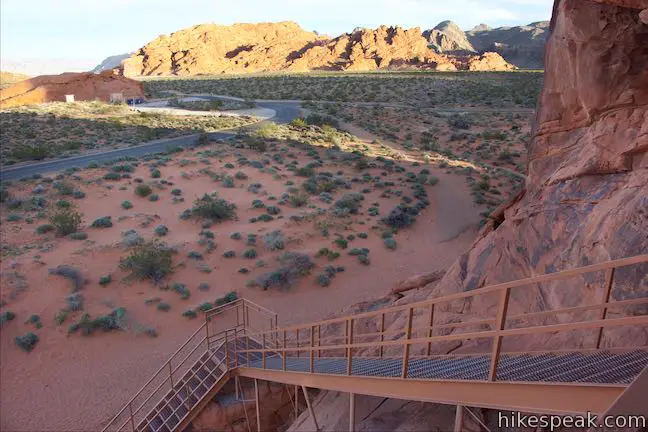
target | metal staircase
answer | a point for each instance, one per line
(358, 354)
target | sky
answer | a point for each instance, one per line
(74, 35)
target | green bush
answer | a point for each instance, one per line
(143, 190)
(6, 316)
(112, 176)
(390, 243)
(102, 222)
(27, 341)
(214, 209)
(341, 242)
(156, 173)
(105, 280)
(323, 279)
(78, 236)
(66, 221)
(127, 205)
(161, 230)
(152, 260)
(44, 229)
(274, 240)
(190, 313)
(250, 253)
(164, 307)
(181, 289)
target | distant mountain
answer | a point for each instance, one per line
(447, 37)
(46, 66)
(522, 46)
(111, 62)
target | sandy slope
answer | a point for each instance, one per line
(70, 382)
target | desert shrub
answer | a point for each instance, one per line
(390, 243)
(154, 197)
(115, 320)
(164, 307)
(74, 302)
(195, 255)
(63, 204)
(458, 121)
(294, 266)
(152, 260)
(363, 235)
(240, 175)
(273, 210)
(227, 182)
(190, 313)
(400, 217)
(364, 259)
(161, 230)
(44, 229)
(64, 187)
(349, 203)
(328, 253)
(27, 341)
(66, 221)
(132, 238)
(143, 190)
(204, 286)
(250, 253)
(181, 289)
(323, 279)
(105, 280)
(298, 200)
(265, 218)
(257, 203)
(70, 273)
(102, 222)
(298, 123)
(321, 120)
(229, 254)
(6, 316)
(127, 205)
(78, 236)
(112, 176)
(251, 240)
(236, 236)
(60, 317)
(14, 217)
(341, 242)
(215, 209)
(274, 240)
(155, 173)
(4, 195)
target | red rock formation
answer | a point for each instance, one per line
(84, 86)
(586, 200)
(489, 61)
(267, 47)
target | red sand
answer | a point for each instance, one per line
(71, 382)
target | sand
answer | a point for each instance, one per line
(71, 382)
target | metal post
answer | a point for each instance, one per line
(263, 355)
(236, 348)
(350, 351)
(207, 331)
(430, 331)
(247, 350)
(310, 408)
(297, 337)
(497, 341)
(283, 359)
(132, 419)
(458, 419)
(226, 352)
(171, 375)
(312, 346)
(237, 315)
(319, 340)
(406, 346)
(296, 401)
(256, 400)
(382, 333)
(236, 386)
(351, 412)
(609, 279)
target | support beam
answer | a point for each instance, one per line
(256, 402)
(543, 398)
(310, 408)
(236, 387)
(351, 412)
(458, 426)
(296, 401)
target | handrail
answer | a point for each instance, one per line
(274, 342)
(477, 292)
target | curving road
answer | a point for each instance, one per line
(284, 113)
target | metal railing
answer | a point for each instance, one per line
(209, 336)
(365, 335)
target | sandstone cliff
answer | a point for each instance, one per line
(586, 198)
(270, 47)
(84, 86)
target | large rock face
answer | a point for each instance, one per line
(448, 37)
(522, 46)
(84, 86)
(215, 49)
(268, 47)
(586, 200)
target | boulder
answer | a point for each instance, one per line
(84, 86)
(489, 61)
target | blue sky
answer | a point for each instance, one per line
(76, 34)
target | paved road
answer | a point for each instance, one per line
(285, 112)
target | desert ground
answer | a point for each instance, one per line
(107, 269)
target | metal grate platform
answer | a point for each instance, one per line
(600, 367)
